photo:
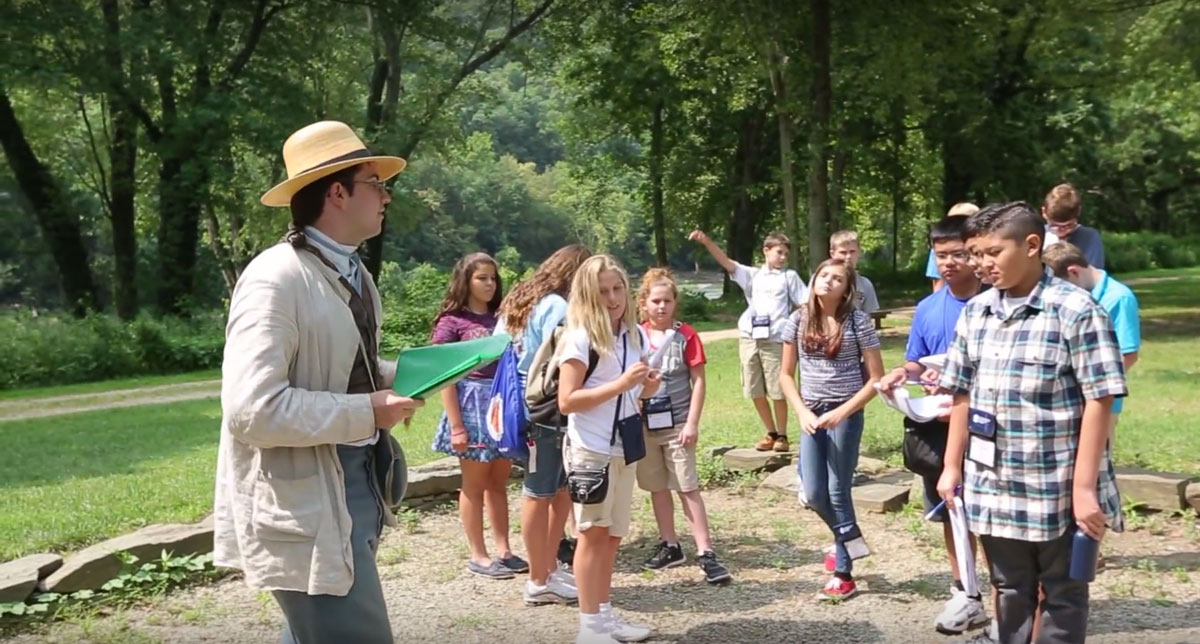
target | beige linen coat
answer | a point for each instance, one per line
(280, 511)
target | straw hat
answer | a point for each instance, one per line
(319, 150)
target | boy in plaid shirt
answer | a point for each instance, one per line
(1034, 368)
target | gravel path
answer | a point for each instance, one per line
(1144, 595)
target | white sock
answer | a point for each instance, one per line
(606, 610)
(592, 623)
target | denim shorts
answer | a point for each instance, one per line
(547, 476)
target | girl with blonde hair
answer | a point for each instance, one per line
(604, 434)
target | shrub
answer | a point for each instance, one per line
(410, 300)
(51, 350)
(1128, 252)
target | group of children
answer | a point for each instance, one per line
(1033, 366)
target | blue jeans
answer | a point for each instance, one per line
(827, 459)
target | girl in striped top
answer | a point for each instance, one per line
(837, 350)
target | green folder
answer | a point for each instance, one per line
(423, 371)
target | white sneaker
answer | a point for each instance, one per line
(624, 631)
(800, 498)
(960, 615)
(554, 592)
(563, 576)
(994, 631)
(588, 637)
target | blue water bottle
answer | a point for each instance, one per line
(1085, 551)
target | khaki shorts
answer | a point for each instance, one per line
(668, 465)
(616, 510)
(760, 368)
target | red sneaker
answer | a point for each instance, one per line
(838, 590)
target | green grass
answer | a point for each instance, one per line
(109, 385)
(70, 481)
(73, 480)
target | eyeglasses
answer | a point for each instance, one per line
(960, 256)
(1062, 226)
(380, 186)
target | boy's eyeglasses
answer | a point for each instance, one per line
(962, 256)
(1062, 227)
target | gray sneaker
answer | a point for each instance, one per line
(494, 570)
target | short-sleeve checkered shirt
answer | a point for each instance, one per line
(1033, 370)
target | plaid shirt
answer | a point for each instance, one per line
(1033, 370)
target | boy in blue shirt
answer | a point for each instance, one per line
(931, 333)
(1069, 263)
(960, 209)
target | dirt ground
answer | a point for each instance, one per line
(1146, 593)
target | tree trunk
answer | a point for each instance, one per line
(58, 223)
(122, 155)
(898, 136)
(837, 187)
(748, 169)
(956, 173)
(183, 191)
(122, 162)
(783, 116)
(818, 146)
(656, 182)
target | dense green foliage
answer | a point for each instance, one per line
(138, 135)
(55, 350)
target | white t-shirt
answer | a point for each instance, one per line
(1010, 304)
(770, 292)
(593, 428)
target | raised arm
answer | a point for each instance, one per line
(727, 264)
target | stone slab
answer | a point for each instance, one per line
(1156, 490)
(880, 497)
(750, 460)
(91, 567)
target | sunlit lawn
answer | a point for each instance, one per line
(72, 480)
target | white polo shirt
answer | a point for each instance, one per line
(774, 293)
(593, 428)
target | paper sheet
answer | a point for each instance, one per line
(922, 410)
(962, 546)
(654, 361)
(936, 362)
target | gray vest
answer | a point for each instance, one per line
(676, 378)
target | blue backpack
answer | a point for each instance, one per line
(506, 419)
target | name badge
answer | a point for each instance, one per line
(981, 440)
(659, 414)
(981, 423)
(760, 327)
(851, 538)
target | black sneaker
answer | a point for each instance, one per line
(664, 557)
(566, 552)
(714, 571)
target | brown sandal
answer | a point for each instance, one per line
(781, 444)
(768, 442)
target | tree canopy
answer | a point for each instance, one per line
(138, 135)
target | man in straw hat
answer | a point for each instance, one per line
(307, 468)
